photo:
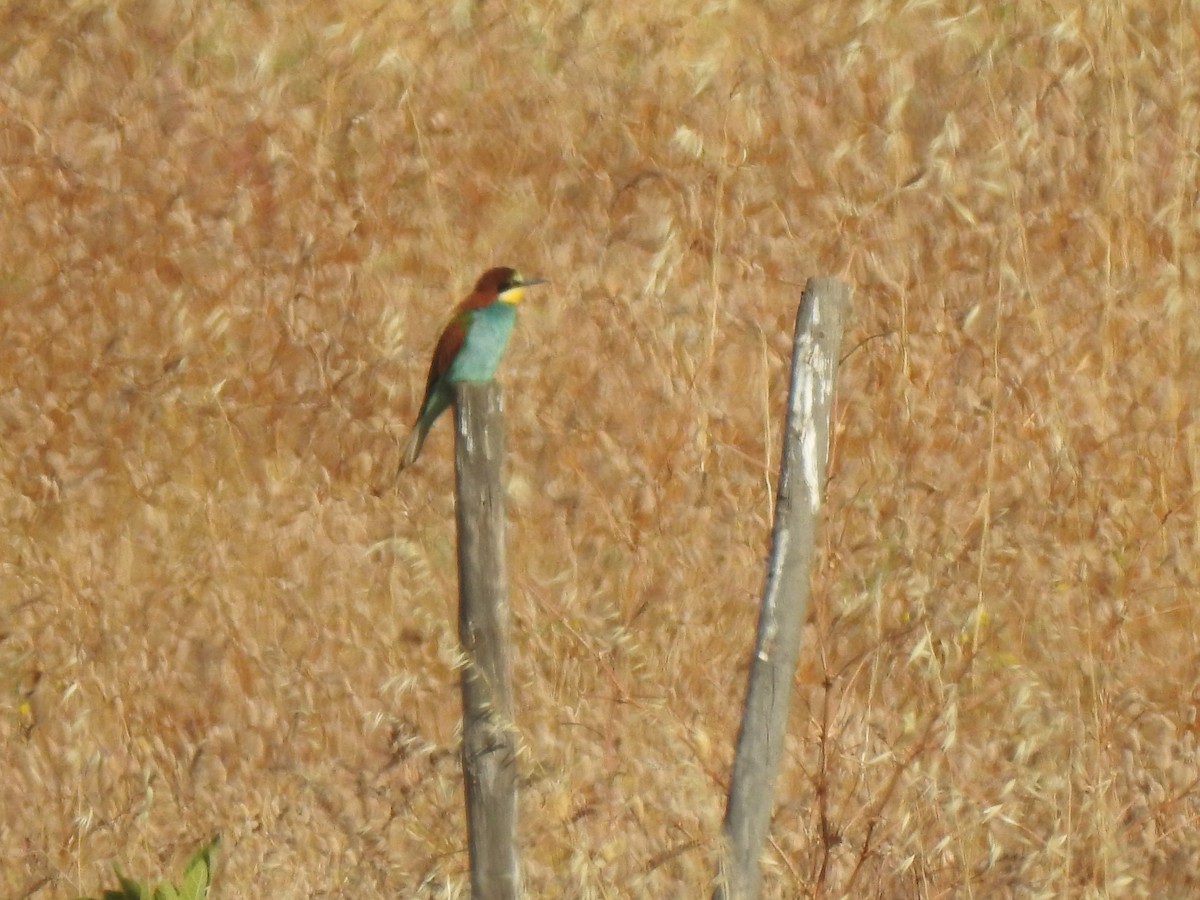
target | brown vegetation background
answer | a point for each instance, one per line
(229, 234)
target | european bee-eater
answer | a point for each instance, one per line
(470, 347)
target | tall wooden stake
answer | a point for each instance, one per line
(781, 618)
(489, 741)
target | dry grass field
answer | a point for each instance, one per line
(229, 234)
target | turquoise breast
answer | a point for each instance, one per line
(487, 336)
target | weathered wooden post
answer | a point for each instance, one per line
(489, 741)
(781, 617)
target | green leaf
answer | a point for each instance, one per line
(130, 889)
(198, 873)
(204, 855)
(197, 876)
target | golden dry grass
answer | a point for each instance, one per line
(228, 234)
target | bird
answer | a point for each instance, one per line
(470, 347)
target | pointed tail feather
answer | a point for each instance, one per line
(412, 446)
(437, 400)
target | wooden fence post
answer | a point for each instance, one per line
(781, 617)
(489, 741)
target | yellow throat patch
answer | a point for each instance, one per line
(516, 293)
